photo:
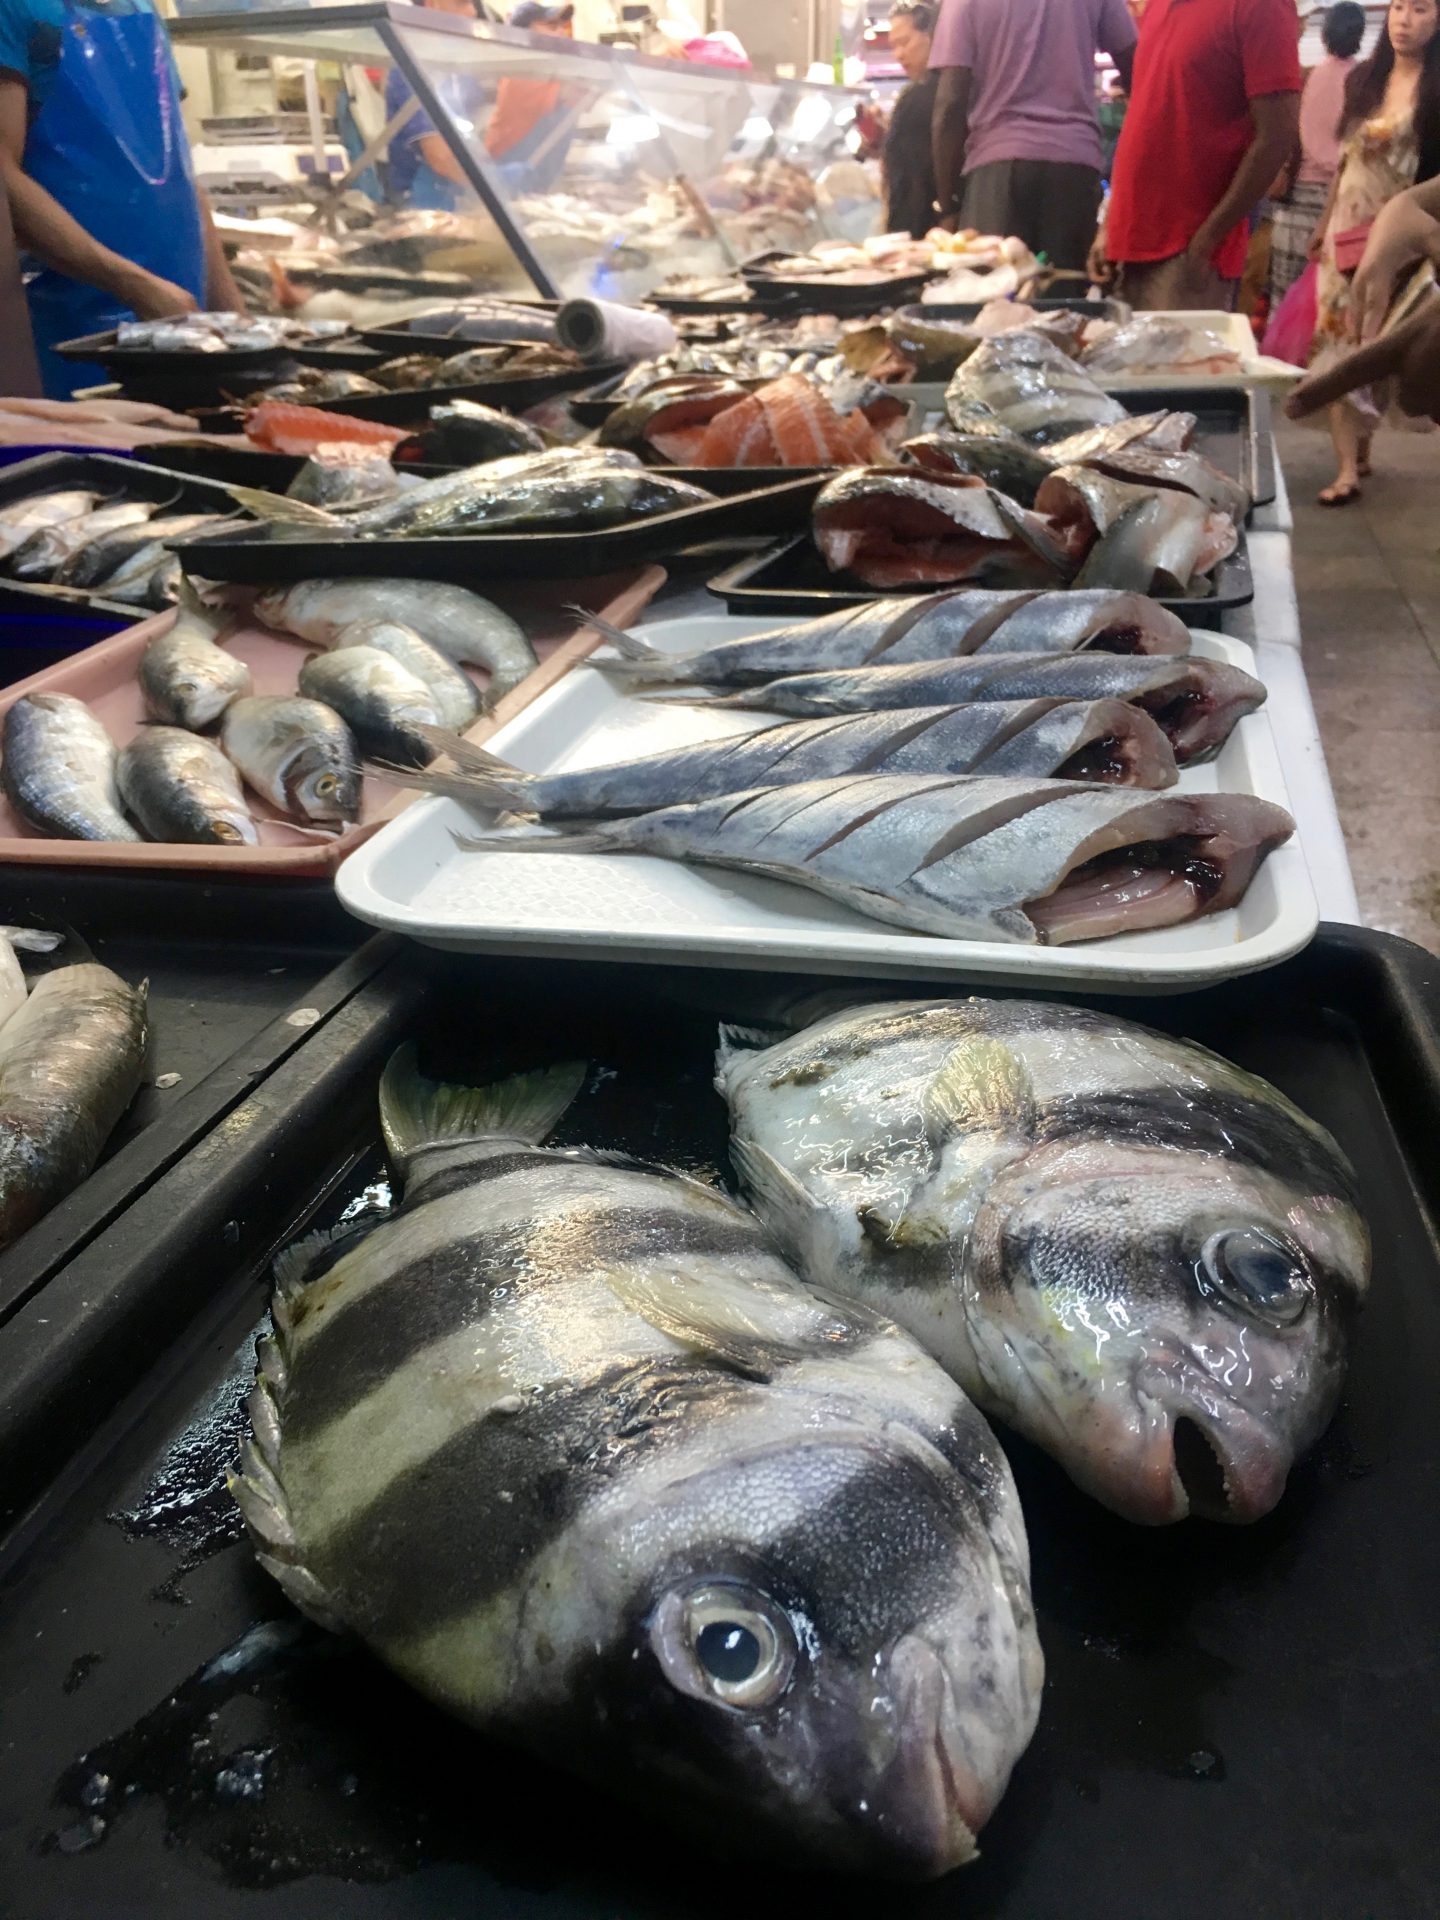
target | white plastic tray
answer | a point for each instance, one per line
(1255, 369)
(414, 879)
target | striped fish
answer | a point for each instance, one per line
(1141, 1257)
(567, 1445)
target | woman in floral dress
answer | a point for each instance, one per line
(1390, 138)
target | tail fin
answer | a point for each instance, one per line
(416, 1112)
(638, 659)
(281, 508)
(475, 777)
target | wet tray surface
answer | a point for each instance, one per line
(1233, 1718)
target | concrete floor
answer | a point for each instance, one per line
(1368, 578)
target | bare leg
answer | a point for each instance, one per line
(1362, 462)
(1345, 434)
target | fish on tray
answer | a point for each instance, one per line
(70, 1063)
(19, 519)
(563, 1442)
(1093, 740)
(893, 526)
(1006, 1178)
(454, 694)
(384, 704)
(186, 680)
(57, 764)
(466, 433)
(1024, 382)
(181, 788)
(296, 753)
(280, 426)
(904, 629)
(42, 555)
(1195, 702)
(964, 857)
(1147, 539)
(455, 622)
(788, 422)
(344, 476)
(1001, 460)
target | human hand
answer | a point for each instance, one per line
(152, 298)
(1401, 235)
(1098, 266)
(1411, 354)
(1201, 250)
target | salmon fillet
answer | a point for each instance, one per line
(283, 427)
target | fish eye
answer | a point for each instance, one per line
(1257, 1272)
(326, 785)
(726, 1644)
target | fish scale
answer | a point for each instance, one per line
(615, 1430)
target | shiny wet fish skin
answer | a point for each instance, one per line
(1136, 1254)
(383, 703)
(297, 753)
(460, 624)
(19, 519)
(746, 1557)
(58, 767)
(70, 1063)
(46, 550)
(182, 789)
(456, 697)
(186, 680)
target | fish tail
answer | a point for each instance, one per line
(416, 1112)
(474, 777)
(637, 657)
(32, 939)
(280, 507)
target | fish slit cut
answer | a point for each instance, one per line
(966, 832)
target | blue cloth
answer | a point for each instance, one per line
(109, 145)
(411, 178)
(30, 34)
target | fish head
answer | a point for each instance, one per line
(321, 785)
(1173, 1326)
(813, 1648)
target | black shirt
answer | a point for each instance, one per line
(909, 169)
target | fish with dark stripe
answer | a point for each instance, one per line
(1141, 1257)
(565, 1442)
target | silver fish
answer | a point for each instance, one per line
(185, 678)
(384, 705)
(965, 857)
(456, 697)
(897, 526)
(344, 476)
(904, 629)
(122, 555)
(297, 753)
(1001, 460)
(457, 622)
(1196, 702)
(1062, 739)
(1134, 1253)
(1024, 382)
(628, 1495)
(70, 1064)
(38, 557)
(563, 489)
(1163, 432)
(1148, 539)
(59, 769)
(463, 432)
(1187, 472)
(21, 518)
(181, 788)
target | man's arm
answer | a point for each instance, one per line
(222, 295)
(55, 237)
(1406, 231)
(1277, 127)
(438, 157)
(948, 131)
(1410, 356)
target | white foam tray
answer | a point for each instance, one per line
(414, 879)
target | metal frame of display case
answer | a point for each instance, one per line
(285, 32)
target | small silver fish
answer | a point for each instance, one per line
(383, 703)
(20, 518)
(297, 753)
(117, 557)
(39, 556)
(59, 769)
(456, 697)
(457, 622)
(185, 678)
(70, 1064)
(182, 788)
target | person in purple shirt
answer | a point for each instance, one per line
(1015, 137)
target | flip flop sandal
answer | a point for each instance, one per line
(1338, 496)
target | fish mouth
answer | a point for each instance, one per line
(931, 1800)
(1212, 1480)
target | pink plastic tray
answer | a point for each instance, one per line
(105, 677)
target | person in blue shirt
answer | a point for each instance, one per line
(96, 165)
(423, 171)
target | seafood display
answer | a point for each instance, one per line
(285, 426)
(57, 763)
(895, 632)
(296, 753)
(463, 433)
(222, 332)
(384, 704)
(788, 422)
(181, 787)
(1025, 383)
(185, 678)
(965, 857)
(71, 1055)
(113, 547)
(891, 526)
(1004, 1178)
(411, 373)
(743, 1554)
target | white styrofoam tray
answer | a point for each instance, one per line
(1255, 369)
(414, 879)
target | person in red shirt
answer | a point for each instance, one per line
(1214, 115)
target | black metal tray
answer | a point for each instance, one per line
(117, 476)
(146, 363)
(238, 975)
(255, 560)
(1234, 1722)
(793, 578)
(772, 294)
(411, 407)
(966, 310)
(402, 337)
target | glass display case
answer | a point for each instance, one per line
(438, 149)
